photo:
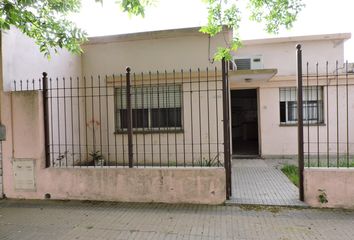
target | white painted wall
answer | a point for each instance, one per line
(154, 51)
(22, 60)
(282, 56)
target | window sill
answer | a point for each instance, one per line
(305, 124)
(148, 131)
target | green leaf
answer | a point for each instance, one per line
(274, 13)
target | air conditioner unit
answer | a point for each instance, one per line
(247, 63)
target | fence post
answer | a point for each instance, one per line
(226, 125)
(300, 122)
(46, 119)
(129, 119)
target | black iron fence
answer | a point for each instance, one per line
(164, 119)
(328, 115)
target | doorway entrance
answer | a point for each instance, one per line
(244, 112)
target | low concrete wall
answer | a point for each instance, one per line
(130, 185)
(336, 183)
(25, 175)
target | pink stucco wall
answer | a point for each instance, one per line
(337, 183)
(22, 114)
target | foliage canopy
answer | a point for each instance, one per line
(274, 13)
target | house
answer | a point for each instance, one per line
(179, 120)
(263, 121)
(263, 93)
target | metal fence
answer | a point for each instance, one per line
(162, 119)
(328, 115)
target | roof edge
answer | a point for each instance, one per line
(319, 37)
(168, 33)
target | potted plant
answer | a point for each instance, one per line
(97, 158)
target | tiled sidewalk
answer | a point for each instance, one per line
(256, 182)
(55, 220)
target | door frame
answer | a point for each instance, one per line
(258, 117)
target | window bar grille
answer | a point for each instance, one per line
(158, 115)
(143, 112)
(119, 119)
(308, 113)
(58, 125)
(347, 110)
(208, 112)
(51, 122)
(200, 121)
(65, 124)
(100, 115)
(151, 135)
(318, 117)
(72, 122)
(191, 111)
(108, 133)
(327, 112)
(79, 117)
(135, 114)
(175, 114)
(217, 114)
(337, 112)
(116, 119)
(92, 121)
(184, 125)
(86, 119)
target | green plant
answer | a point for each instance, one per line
(322, 197)
(341, 163)
(292, 172)
(96, 156)
(212, 162)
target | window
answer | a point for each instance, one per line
(155, 107)
(312, 105)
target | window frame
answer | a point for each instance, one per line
(149, 129)
(319, 105)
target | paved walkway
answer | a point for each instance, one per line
(53, 220)
(256, 181)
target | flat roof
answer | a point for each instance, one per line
(320, 37)
(168, 33)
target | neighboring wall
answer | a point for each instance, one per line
(23, 61)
